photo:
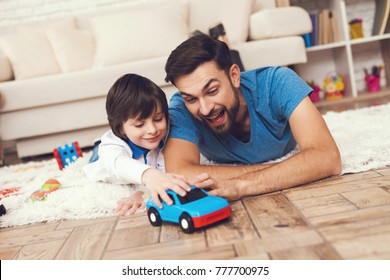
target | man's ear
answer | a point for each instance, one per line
(235, 75)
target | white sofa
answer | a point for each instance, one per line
(54, 76)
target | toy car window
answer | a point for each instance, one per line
(192, 195)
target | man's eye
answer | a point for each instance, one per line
(190, 100)
(212, 91)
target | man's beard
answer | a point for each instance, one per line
(231, 116)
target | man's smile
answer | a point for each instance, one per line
(216, 118)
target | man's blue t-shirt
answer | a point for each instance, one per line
(271, 94)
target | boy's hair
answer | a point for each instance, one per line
(195, 51)
(133, 96)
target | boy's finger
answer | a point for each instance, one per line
(164, 196)
(156, 200)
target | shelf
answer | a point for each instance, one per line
(364, 97)
(326, 46)
(347, 57)
(370, 39)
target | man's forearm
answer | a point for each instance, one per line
(307, 166)
(220, 171)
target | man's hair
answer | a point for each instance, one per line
(195, 51)
(133, 96)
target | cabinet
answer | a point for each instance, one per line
(348, 57)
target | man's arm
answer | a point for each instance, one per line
(319, 158)
(183, 157)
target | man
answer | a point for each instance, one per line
(247, 118)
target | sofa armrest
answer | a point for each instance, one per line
(279, 22)
(6, 72)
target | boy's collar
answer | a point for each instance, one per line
(139, 151)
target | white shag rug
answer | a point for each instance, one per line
(363, 137)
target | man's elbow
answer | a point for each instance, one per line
(334, 162)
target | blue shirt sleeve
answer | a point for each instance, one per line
(182, 125)
(287, 91)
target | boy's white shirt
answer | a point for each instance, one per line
(116, 165)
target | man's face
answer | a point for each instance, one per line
(211, 96)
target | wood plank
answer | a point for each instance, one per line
(324, 205)
(368, 197)
(167, 250)
(276, 243)
(361, 247)
(84, 222)
(350, 216)
(215, 253)
(34, 238)
(86, 242)
(40, 251)
(133, 237)
(356, 228)
(259, 256)
(273, 214)
(314, 252)
(172, 232)
(28, 230)
(318, 190)
(237, 228)
(9, 253)
(384, 172)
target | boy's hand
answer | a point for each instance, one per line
(131, 203)
(158, 183)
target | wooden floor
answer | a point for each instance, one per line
(344, 217)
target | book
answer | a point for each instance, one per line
(382, 9)
(335, 35)
(314, 33)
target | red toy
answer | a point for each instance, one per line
(67, 154)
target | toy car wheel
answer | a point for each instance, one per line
(186, 223)
(154, 217)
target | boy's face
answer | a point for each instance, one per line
(146, 133)
(211, 96)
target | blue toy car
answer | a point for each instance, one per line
(195, 210)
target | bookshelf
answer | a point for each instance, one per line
(346, 56)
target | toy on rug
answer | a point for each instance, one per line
(67, 154)
(194, 210)
(334, 87)
(8, 192)
(49, 186)
(2, 210)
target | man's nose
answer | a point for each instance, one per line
(205, 107)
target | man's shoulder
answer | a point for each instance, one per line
(264, 72)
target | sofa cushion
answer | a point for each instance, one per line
(74, 49)
(147, 30)
(272, 52)
(6, 73)
(78, 85)
(233, 14)
(30, 54)
(280, 22)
